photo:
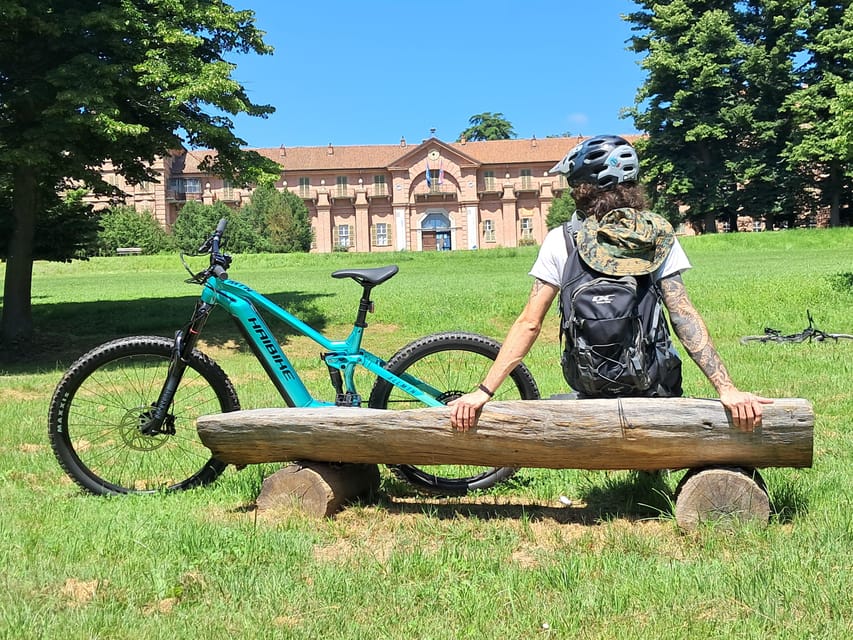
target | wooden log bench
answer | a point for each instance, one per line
(129, 251)
(605, 434)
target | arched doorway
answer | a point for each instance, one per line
(436, 232)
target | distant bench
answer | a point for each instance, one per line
(129, 251)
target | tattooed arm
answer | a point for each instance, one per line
(690, 328)
(523, 333)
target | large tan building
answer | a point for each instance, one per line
(429, 196)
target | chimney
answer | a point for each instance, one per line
(331, 150)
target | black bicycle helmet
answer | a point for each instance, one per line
(603, 160)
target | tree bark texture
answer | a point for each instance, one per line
(17, 321)
(628, 433)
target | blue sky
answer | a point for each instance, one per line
(374, 71)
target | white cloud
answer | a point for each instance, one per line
(578, 119)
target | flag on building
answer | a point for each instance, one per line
(428, 176)
(441, 171)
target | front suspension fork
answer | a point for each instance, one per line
(185, 341)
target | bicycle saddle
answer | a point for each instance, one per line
(371, 277)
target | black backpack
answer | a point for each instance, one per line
(616, 338)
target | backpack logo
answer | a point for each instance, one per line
(608, 299)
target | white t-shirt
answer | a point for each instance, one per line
(553, 256)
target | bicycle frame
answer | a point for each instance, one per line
(245, 305)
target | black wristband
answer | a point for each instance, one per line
(486, 390)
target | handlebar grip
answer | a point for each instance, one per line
(220, 228)
(220, 272)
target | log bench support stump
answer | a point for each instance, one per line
(722, 497)
(318, 488)
(604, 434)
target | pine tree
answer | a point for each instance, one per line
(821, 146)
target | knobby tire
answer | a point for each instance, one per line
(105, 396)
(455, 363)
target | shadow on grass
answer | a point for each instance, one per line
(66, 331)
(637, 496)
(633, 496)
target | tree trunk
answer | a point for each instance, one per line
(835, 195)
(710, 222)
(629, 433)
(17, 320)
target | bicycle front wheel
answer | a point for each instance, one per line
(455, 363)
(105, 397)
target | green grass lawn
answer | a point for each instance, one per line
(514, 562)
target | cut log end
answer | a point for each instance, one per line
(721, 497)
(318, 489)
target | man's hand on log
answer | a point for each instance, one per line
(744, 407)
(465, 410)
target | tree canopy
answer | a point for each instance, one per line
(123, 81)
(743, 106)
(488, 126)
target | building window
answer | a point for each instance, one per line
(526, 178)
(379, 188)
(488, 230)
(342, 236)
(380, 235)
(341, 183)
(527, 228)
(756, 225)
(304, 187)
(185, 185)
(227, 190)
(489, 180)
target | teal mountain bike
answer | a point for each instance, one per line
(123, 417)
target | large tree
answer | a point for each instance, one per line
(121, 80)
(688, 105)
(822, 138)
(488, 126)
(718, 75)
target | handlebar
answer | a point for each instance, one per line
(219, 262)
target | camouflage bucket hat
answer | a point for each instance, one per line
(625, 242)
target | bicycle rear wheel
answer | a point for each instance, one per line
(106, 395)
(455, 363)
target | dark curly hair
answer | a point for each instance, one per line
(593, 201)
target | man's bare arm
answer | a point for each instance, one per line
(523, 333)
(693, 333)
(744, 407)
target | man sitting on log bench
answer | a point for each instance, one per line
(612, 236)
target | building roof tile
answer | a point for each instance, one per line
(347, 157)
